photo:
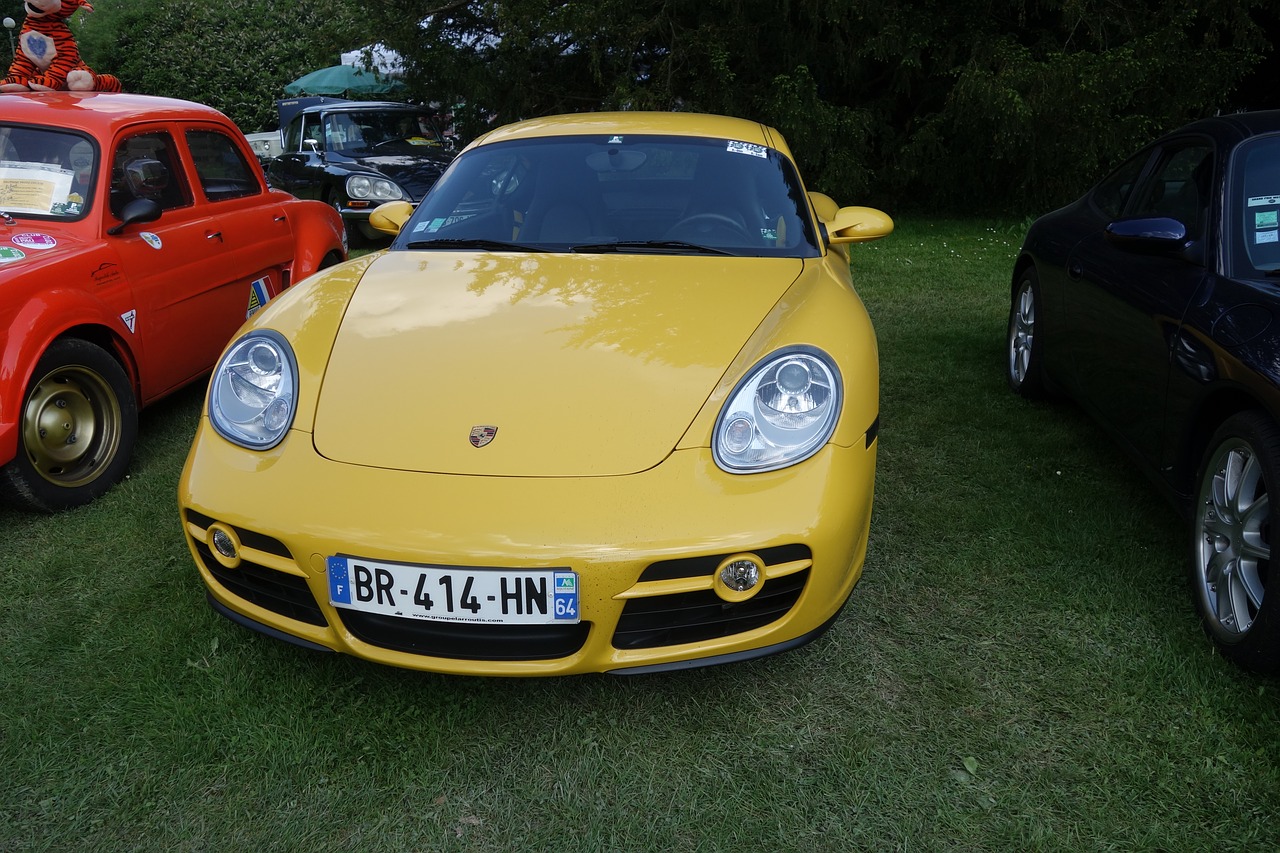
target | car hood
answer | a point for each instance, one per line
(415, 172)
(31, 245)
(582, 365)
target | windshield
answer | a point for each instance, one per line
(45, 173)
(379, 131)
(1257, 205)
(617, 194)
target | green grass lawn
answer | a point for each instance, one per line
(1020, 668)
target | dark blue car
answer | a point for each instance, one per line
(1154, 303)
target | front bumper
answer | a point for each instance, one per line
(644, 546)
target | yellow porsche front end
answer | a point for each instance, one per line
(531, 458)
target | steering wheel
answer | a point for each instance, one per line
(706, 223)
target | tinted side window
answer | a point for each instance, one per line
(1178, 187)
(1111, 195)
(223, 171)
(147, 166)
(293, 136)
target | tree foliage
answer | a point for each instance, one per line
(968, 105)
(971, 105)
(235, 55)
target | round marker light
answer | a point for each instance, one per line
(738, 434)
(738, 577)
(226, 548)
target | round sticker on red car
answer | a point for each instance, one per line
(34, 241)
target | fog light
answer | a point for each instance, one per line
(225, 545)
(738, 577)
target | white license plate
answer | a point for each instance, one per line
(454, 594)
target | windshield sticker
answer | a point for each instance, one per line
(130, 318)
(34, 241)
(615, 140)
(1267, 237)
(1265, 219)
(258, 296)
(39, 188)
(8, 254)
(430, 227)
(748, 148)
(1264, 201)
(152, 240)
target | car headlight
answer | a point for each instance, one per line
(780, 414)
(373, 188)
(253, 392)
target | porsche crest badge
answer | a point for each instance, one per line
(482, 435)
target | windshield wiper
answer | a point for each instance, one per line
(464, 243)
(651, 246)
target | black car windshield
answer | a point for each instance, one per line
(359, 133)
(45, 173)
(1257, 205)
(648, 194)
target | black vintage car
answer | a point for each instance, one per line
(1154, 302)
(355, 155)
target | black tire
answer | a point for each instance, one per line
(1024, 349)
(1232, 524)
(78, 426)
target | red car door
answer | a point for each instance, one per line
(198, 270)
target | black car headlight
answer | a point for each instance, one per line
(373, 188)
(254, 389)
(781, 413)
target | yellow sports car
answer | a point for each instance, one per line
(608, 403)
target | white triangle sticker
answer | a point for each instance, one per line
(129, 317)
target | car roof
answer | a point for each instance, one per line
(330, 105)
(635, 122)
(99, 112)
(1235, 125)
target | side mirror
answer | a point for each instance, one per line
(138, 210)
(858, 225)
(1158, 235)
(389, 218)
(824, 205)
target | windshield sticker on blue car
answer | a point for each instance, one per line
(1265, 219)
(1267, 237)
(1264, 201)
(748, 148)
(8, 254)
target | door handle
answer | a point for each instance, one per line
(213, 235)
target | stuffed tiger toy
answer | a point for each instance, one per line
(48, 57)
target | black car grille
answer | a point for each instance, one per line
(272, 590)
(691, 617)
(466, 642)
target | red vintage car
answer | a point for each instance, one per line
(136, 235)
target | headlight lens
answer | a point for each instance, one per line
(374, 188)
(253, 392)
(780, 414)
